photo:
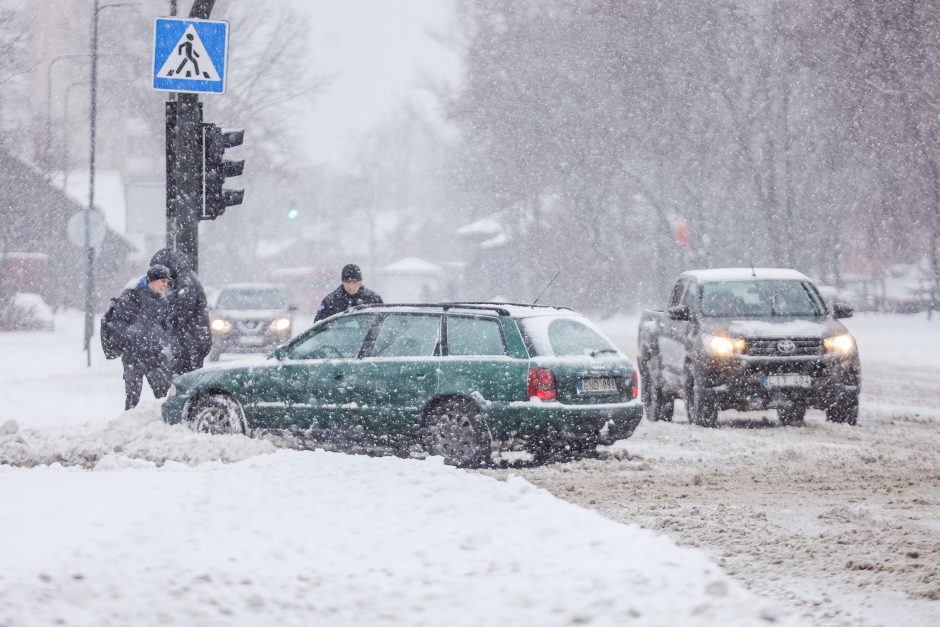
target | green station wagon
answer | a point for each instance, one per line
(461, 380)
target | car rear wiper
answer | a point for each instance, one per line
(603, 350)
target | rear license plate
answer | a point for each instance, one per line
(597, 385)
(787, 381)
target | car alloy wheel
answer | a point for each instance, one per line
(456, 433)
(217, 414)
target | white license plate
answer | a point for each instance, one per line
(788, 381)
(251, 340)
(595, 385)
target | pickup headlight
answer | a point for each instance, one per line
(722, 346)
(281, 324)
(220, 325)
(840, 344)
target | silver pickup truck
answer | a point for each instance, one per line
(748, 339)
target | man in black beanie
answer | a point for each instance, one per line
(351, 293)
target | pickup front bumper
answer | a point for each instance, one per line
(744, 382)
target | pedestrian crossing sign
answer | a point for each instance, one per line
(189, 55)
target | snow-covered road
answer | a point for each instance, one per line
(115, 518)
(839, 524)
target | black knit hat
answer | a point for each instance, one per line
(157, 272)
(351, 272)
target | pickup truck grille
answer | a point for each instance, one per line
(778, 347)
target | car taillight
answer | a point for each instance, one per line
(542, 384)
(634, 385)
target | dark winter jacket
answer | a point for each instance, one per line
(140, 319)
(189, 315)
(340, 300)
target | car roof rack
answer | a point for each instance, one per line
(481, 303)
(502, 311)
(499, 308)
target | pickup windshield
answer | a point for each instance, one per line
(728, 299)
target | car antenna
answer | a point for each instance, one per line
(546, 288)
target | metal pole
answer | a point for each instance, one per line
(187, 165)
(89, 252)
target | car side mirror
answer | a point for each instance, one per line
(292, 307)
(842, 310)
(679, 312)
(280, 353)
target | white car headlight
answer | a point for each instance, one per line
(721, 345)
(281, 324)
(842, 344)
(220, 325)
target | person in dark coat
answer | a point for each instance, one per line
(188, 315)
(351, 293)
(140, 320)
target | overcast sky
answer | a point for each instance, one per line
(378, 51)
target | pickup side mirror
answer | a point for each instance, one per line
(842, 310)
(679, 312)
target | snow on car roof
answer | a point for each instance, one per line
(252, 286)
(744, 274)
(515, 310)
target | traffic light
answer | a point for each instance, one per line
(216, 169)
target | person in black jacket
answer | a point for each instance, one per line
(140, 320)
(188, 316)
(349, 294)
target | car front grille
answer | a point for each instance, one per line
(777, 347)
(250, 326)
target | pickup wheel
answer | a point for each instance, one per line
(699, 405)
(656, 404)
(843, 409)
(791, 415)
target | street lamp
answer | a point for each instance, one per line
(47, 155)
(89, 251)
(67, 159)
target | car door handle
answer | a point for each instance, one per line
(339, 376)
(423, 376)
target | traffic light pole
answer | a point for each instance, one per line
(184, 165)
(187, 179)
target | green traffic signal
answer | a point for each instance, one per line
(292, 214)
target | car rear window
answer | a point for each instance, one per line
(474, 336)
(251, 299)
(563, 337)
(407, 335)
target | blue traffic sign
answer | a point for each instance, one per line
(189, 55)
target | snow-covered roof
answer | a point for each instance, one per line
(744, 274)
(109, 194)
(500, 239)
(412, 265)
(486, 226)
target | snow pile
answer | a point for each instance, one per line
(300, 537)
(139, 434)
